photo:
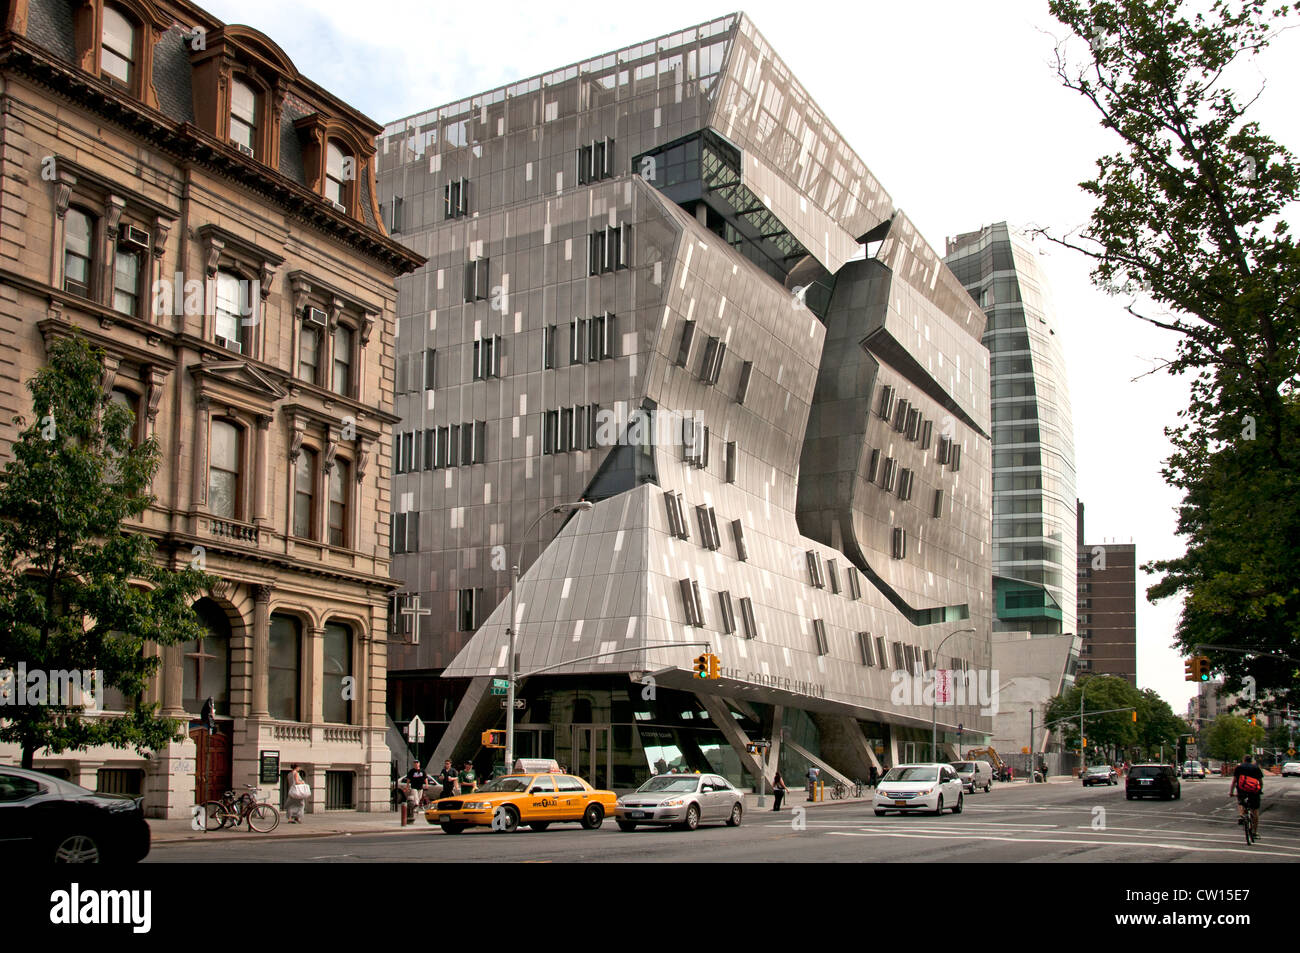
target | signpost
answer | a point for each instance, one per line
(415, 734)
(500, 686)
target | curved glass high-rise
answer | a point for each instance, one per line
(1033, 432)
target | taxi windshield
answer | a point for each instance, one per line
(505, 785)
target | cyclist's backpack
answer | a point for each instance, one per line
(1249, 784)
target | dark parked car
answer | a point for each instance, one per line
(50, 820)
(1153, 780)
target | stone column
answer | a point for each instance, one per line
(312, 709)
(173, 681)
(261, 650)
(203, 406)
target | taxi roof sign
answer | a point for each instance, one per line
(536, 766)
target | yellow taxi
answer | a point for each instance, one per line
(538, 800)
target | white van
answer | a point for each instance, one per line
(974, 774)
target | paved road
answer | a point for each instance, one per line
(1043, 823)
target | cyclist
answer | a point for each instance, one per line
(1248, 785)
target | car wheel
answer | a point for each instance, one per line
(958, 806)
(1178, 795)
(1129, 796)
(692, 818)
(539, 826)
(880, 813)
(939, 807)
(593, 817)
(627, 826)
(737, 812)
(987, 786)
(77, 849)
(451, 828)
(505, 819)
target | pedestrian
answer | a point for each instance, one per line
(447, 779)
(417, 779)
(812, 782)
(778, 791)
(872, 775)
(1011, 773)
(299, 792)
(467, 778)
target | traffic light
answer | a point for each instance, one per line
(493, 739)
(1085, 742)
(1135, 716)
(1202, 664)
(702, 666)
(713, 667)
(1189, 670)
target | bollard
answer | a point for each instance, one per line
(404, 810)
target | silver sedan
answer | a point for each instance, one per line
(681, 800)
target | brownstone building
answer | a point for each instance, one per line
(178, 192)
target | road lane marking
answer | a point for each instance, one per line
(1029, 840)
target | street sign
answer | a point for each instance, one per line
(519, 703)
(415, 730)
(1291, 752)
(500, 686)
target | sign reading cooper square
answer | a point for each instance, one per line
(783, 682)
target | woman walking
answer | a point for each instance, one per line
(299, 792)
(778, 791)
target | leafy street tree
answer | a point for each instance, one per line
(1157, 726)
(1105, 733)
(1188, 220)
(1230, 737)
(78, 593)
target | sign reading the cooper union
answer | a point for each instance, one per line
(783, 682)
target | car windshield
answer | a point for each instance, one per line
(1100, 769)
(506, 785)
(667, 782)
(964, 765)
(913, 774)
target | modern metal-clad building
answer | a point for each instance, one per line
(660, 280)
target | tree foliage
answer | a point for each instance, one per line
(1189, 219)
(77, 592)
(1105, 733)
(1230, 737)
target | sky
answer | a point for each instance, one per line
(954, 106)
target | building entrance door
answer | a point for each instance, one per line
(212, 769)
(593, 758)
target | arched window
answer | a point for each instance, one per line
(337, 169)
(284, 663)
(78, 251)
(117, 49)
(342, 381)
(206, 662)
(339, 503)
(224, 468)
(243, 116)
(234, 305)
(336, 682)
(304, 495)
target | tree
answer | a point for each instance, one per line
(1157, 726)
(1231, 737)
(1106, 733)
(78, 594)
(1189, 212)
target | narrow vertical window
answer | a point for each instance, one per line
(78, 229)
(126, 281)
(342, 378)
(336, 163)
(304, 497)
(243, 116)
(308, 353)
(233, 304)
(337, 673)
(117, 51)
(339, 503)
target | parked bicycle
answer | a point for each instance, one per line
(842, 790)
(233, 810)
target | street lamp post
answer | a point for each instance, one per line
(510, 625)
(934, 708)
(1083, 749)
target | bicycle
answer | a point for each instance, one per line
(232, 810)
(1249, 819)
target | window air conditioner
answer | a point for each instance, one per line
(314, 316)
(230, 345)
